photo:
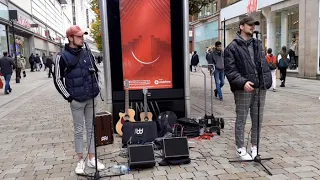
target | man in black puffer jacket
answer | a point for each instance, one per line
(245, 62)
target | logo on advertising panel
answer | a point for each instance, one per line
(252, 6)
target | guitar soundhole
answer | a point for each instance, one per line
(124, 119)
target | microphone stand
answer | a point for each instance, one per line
(92, 71)
(258, 158)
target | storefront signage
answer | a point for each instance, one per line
(252, 6)
(24, 22)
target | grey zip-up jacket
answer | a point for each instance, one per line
(217, 59)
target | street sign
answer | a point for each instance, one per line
(13, 15)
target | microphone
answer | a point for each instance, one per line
(256, 32)
(86, 45)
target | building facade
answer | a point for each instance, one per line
(40, 26)
(280, 22)
(205, 29)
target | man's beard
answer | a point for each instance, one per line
(249, 33)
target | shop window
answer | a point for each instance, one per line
(286, 33)
(3, 39)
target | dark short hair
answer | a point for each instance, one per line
(5, 53)
(218, 43)
(269, 51)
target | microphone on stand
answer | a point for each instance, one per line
(256, 32)
(92, 67)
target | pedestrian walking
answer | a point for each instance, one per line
(6, 68)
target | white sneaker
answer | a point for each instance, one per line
(91, 163)
(254, 151)
(80, 167)
(242, 153)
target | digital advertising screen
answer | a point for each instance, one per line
(146, 43)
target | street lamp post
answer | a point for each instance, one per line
(13, 15)
(15, 53)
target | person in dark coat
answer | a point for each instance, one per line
(49, 63)
(6, 68)
(195, 61)
(32, 62)
(248, 73)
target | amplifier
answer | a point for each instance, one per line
(140, 132)
(175, 147)
(104, 128)
(141, 156)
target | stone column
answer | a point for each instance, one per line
(271, 29)
(284, 29)
(308, 38)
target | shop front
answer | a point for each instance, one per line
(205, 35)
(287, 34)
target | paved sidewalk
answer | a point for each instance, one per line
(36, 138)
(30, 83)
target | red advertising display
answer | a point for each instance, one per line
(146, 43)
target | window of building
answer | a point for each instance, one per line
(208, 10)
(3, 39)
(73, 12)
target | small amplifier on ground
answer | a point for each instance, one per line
(175, 147)
(141, 156)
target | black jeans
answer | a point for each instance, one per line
(283, 74)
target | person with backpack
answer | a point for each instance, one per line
(20, 65)
(272, 62)
(283, 64)
(76, 79)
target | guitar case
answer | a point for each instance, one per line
(191, 128)
(139, 132)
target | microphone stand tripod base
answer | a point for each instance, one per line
(257, 159)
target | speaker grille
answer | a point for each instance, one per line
(176, 147)
(141, 153)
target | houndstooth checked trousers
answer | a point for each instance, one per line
(246, 101)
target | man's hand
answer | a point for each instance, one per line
(248, 87)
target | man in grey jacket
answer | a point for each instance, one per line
(217, 59)
(6, 67)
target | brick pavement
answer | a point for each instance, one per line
(36, 138)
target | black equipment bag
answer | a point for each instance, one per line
(165, 122)
(191, 128)
(139, 132)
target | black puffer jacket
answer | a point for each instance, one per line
(240, 68)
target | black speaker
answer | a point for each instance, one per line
(139, 132)
(175, 147)
(141, 156)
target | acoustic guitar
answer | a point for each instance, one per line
(129, 113)
(145, 116)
